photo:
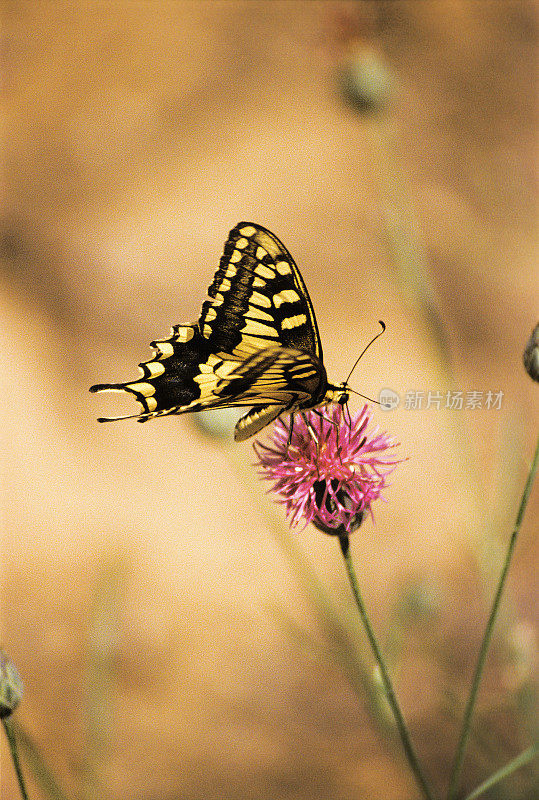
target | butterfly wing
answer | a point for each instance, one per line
(254, 344)
(272, 381)
(258, 298)
(173, 380)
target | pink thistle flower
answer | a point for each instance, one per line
(333, 480)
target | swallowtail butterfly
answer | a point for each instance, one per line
(256, 344)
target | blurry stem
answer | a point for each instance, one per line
(327, 614)
(411, 263)
(15, 755)
(39, 769)
(500, 774)
(386, 680)
(330, 619)
(468, 712)
(405, 243)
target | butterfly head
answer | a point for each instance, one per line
(337, 394)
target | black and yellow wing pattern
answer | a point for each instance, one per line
(256, 343)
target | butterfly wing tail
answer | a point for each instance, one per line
(124, 388)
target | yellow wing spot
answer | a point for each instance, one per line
(143, 388)
(112, 389)
(257, 313)
(235, 257)
(264, 271)
(206, 379)
(306, 374)
(248, 230)
(260, 299)
(230, 272)
(225, 285)
(218, 299)
(164, 349)
(212, 313)
(294, 322)
(283, 268)
(205, 368)
(241, 244)
(155, 368)
(286, 296)
(260, 253)
(226, 368)
(205, 375)
(253, 328)
(183, 334)
(258, 283)
(151, 403)
(250, 346)
(207, 330)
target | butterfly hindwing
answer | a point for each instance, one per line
(256, 342)
(170, 381)
(279, 375)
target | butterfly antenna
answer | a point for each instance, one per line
(364, 396)
(362, 354)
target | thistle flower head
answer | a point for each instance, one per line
(332, 471)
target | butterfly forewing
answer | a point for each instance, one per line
(259, 299)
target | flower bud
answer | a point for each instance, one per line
(366, 83)
(331, 504)
(531, 355)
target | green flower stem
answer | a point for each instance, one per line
(520, 761)
(386, 680)
(15, 756)
(37, 766)
(468, 712)
(329, 618)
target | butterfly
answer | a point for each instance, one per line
(256, 344)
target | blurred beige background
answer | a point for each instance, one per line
(138, 134)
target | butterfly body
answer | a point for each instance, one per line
(256, 343)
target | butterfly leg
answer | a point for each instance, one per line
(323, 416)
(331, 422)
(290, 430)
(309, 427)
(311, 430)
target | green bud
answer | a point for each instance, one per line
(531, 355)
(365, 81)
